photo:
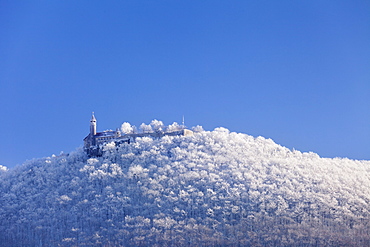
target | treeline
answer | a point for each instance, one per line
(211, 189)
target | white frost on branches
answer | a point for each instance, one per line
(215, 188)
(126, 128)
(3, 168)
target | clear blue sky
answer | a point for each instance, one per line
(297, 72)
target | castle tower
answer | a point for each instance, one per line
(117, 133)
(93, 125)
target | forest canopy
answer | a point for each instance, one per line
(215, 188)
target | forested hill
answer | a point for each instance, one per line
(215, 188)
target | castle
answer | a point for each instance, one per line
(94, 140)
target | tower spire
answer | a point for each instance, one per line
(93, 125)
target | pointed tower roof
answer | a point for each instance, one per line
(93, 119)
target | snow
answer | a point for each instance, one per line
(3, 168)
(126, 128)
(213, 188)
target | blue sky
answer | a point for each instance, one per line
(297, 72)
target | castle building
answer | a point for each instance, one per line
(94, 139)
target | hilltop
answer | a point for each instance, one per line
(214, 188)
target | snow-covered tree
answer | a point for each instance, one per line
(197, 128)
(157, 125)
(215, 188)
(174, 127)
(3, 168)
(126, 128)
(146, 128)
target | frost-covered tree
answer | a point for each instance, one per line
(215, 188)
(3, 168)
(157, 125)
(197, 128)
(146, 128)
(126, 128)
(174, 127)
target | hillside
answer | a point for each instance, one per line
(215, 188)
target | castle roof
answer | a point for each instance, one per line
(93, 118)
